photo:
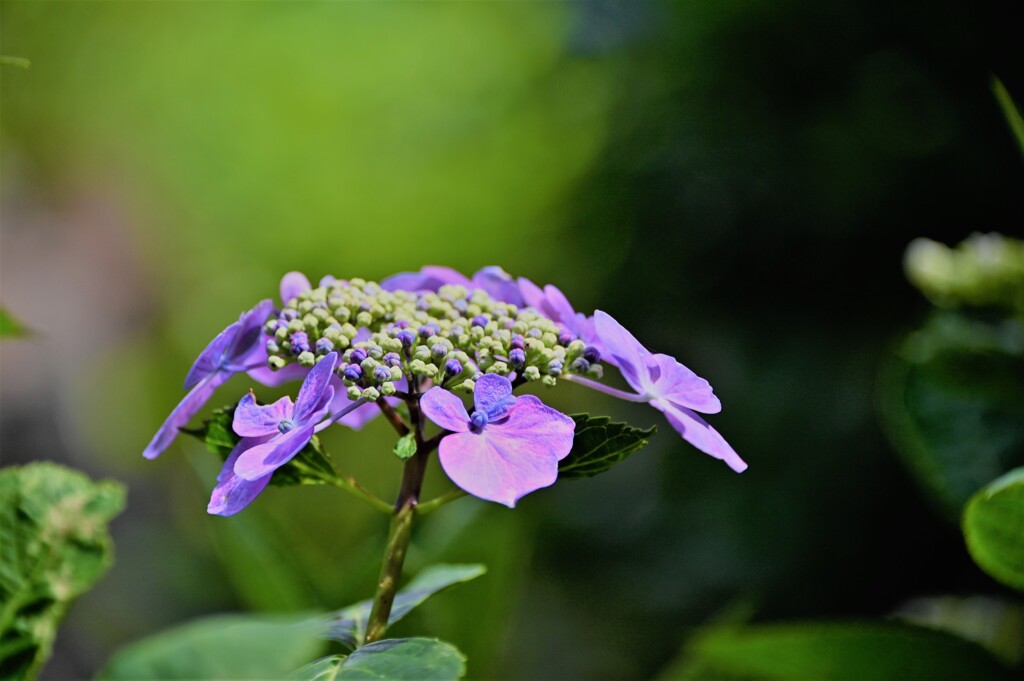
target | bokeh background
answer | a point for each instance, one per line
(734, 181)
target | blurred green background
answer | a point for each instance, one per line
(734, 181)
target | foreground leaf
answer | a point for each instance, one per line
(397, 659)
(598, 444)
(834, 652)
(311, 466)
(10, 327)
(994, 623)
(221, 647)
(349, 625)
(55, 545)
(994, 528)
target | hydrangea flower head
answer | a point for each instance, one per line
(509, 447)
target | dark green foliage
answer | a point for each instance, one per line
(405, 447)
(598, 444)
(398, 659)
(10, 327)
(311, 466)
(53, 523)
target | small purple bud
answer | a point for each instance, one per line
(401, 324)
(457, 331)
(591, 354)
(285, 425)
(289, 314)
(300, 342)
(407, 337)
(478, 420)
(566, 337)
(323, 346)
(518, 342)
(392, 359)
(535, 333)
(479, 320)
(461, 305)
(581, 366)
(439, 351)
(453, 367)
(428, 330)
(357, 356)
(517, 357)
(381, 374)
(423, 305)
(554, 367)
(353, 372)
(364, 307)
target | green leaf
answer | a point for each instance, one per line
(953, 404)
(1010, 111)
(834, 652)
(396, 659)
(311, 466)
(349, 625)
(20, 62)
(598, 444)
(53, 521)
(993, 526)
(995, 623)
(10, 327)
(406, 447)
(221, 647)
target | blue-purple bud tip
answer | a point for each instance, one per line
(439, 351)
(353, 372)
(453, 367)
(581, 365)
(428, 330)
(407, 338)
(323, 346)
(392, 359)
(357, 356)
(555, 367)
(381, 374)
(300, 342)
(518, 342)
(479, 320)
(591, 354)
(478, 420)
(517, 357)
(566, 337)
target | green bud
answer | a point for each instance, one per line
(364, 319)
(371, 394)
(596, 371)
(549, 381)
(388, 389)
(320, 313)
(549, 339)
(396, 373)
(392, 345)
(296, 325)
(417, 367)
(498, 368)
(310, 322)
(281, 334)
(276, 363)
(354, 392)
(304, 306)
(368, 365)
(307, 359)
(349, 330)
(466, 386)
(430, 371)
(531, 373)
(422, 353)
(577, 347)
(342, 314)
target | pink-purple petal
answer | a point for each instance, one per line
(495, 472)
(429, 278)
(212, 356)
(622, 349)
(255, 420)
(183, 413)
(313, 395)
(292, 284)
(679, 385)
(498, 284)
(493, 396)
(700, 434)
(286, 374)
(233, 493)
(445, 409)
(248, 340)
(264, 459)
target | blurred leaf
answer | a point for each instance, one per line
(834, 652)
(10, 327)
(994, 529)
(396, 659)
(311, 466)
(20, 62)
(599, 444)
(953, 404)
(349, 625)
(53, 521)
(405, 447)
(221, 647)
(994, 623)
(1011, 112)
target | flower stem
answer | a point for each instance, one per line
(607, 390)
(349, 484)
(437, 502)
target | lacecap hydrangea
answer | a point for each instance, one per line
(430, 342)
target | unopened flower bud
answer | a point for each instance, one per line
(407, 337)
(300, 342)
(392, 359)
(307, 358)
(388, 389)
(580, 365)
(518, 342)
(272, 347)
(592, 354)
(517, 357)
(549, 381)
(353, 372)
(276, 363)
(554, 367)
(453, 367)
(479, 320)
(381, 374)
(323, 346)
(531, 373)
(357, 355)
(439, 351)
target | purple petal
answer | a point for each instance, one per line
(493, 396)
(212, 356)
(445, 409)
(264, 459)
(623, 350)
(499, 285)
(247, 349)
(677, 384)
(292, 284)
(233, 493)
(286, 374)
(700, 434)
(429, 278)
(559, 304)
(329, 280)
(535, 298)
(504, 462)
(253, 420)
(316, 391)
(183, 413)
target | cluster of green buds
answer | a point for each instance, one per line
(452, 337)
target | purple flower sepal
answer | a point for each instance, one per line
(237, 348)
(232, 492)
(508, 448)
(289, 425)
(552, 303)
(669, 387)
(494, 280)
